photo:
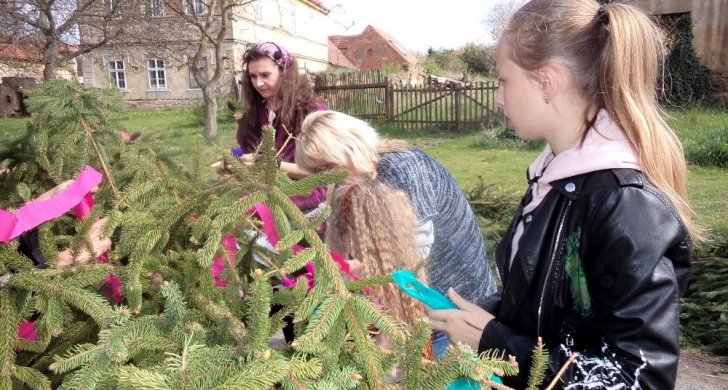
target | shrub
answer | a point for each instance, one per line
(499, 137)
(226, 110)
(708, 147)
(494, 210)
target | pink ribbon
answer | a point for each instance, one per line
(271, 232)
(37, 212)
(26, 331)
(76, 196)
(231, 247)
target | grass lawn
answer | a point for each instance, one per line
(504, 168)
(463, 154)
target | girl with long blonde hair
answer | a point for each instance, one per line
(446, 232)
(598, 253)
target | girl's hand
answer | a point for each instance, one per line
(464, 324)
(356, 267)
(99, 243)
(55, 190)
(248, 159)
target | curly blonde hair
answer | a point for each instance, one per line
(375, 224)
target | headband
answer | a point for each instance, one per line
(276, 53)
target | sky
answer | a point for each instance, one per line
(416, 24)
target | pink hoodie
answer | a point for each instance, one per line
(605, 147)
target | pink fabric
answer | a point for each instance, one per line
(605, 147)
(270, 230)
(231, 248)
(37, 212)
(27, 331)
(83, 209)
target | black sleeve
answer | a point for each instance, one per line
(28, 246)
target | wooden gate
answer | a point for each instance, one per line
(359, 94)
(373, 96)
(445, 106)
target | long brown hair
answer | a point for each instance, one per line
(614, 53)
(295, 95)
(375, 224)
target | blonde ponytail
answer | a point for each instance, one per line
(614, 54)
(631, 59)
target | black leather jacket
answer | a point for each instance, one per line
(628, 244)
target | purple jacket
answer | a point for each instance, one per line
(287, 154)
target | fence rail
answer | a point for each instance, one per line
(372, 95)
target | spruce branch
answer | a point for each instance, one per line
(8, 331)
(131, 377)
(258, 305)
(324, 317)
(539, 366)
(420, 334)
(104, 166)
(31, 378)
(219, 314)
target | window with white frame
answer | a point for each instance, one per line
(154, 8)
(195, 7)
(202, 73)
(117, 73)
(157, 74)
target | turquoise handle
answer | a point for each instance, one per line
(407, 282)
(433, 299)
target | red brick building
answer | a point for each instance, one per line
(372, 49)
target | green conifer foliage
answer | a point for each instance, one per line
(175, 328)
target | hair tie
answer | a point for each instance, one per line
(602, 15)
(278, 54)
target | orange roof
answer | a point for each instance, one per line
(409, 57)
(27, 49)
(20, 52)
(337, 58)
(342, 41)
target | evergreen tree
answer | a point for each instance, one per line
(176, 329)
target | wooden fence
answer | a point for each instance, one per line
(373, 95)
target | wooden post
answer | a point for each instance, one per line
(456, 92)
(389, 100)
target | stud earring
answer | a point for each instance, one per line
(546, 99)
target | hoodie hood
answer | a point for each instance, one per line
(605, 147)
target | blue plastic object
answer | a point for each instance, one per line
(236, 152)
(433, 299)
(429, 296)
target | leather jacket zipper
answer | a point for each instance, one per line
(557, 248)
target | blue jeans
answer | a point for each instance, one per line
(439, 344)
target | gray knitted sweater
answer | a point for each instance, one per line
(457, 257)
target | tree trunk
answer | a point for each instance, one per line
(210, 112)
(50, 60)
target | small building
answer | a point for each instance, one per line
(21, 66)
(373, 49)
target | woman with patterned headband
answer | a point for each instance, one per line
(275, 93)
